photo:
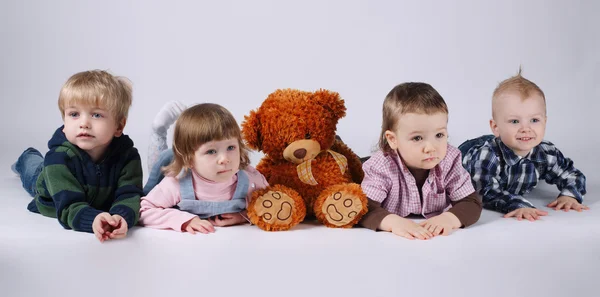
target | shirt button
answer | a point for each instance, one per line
(253, 185)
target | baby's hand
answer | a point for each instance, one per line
(228, 219)
(443, 223)
(120, 229)
(103, 226)
(566, 203)
(197, 224)
(527, 213)
(404, 227)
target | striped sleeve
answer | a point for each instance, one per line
(129, 189)
(67, 201)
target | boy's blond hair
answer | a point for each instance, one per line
(519, 84)
(97, 88)
(198, 125)
(411, 97)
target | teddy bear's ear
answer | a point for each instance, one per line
(332, 101)
(251, 131)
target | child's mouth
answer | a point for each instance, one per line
(525, 138)
(223, 171)
(84, 135)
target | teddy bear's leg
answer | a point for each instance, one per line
(276, 208)
(341, 206)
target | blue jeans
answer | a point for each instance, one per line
(156, 174)
(467, 145)
(28, 167)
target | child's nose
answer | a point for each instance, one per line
(84, 122)
(525, 127)
(429, 147)
(223, 160)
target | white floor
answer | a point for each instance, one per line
(558, 256)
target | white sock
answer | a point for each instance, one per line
(162, 121)
(167, 115)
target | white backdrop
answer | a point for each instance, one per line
(237, 52)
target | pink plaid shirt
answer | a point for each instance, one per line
(388, 181)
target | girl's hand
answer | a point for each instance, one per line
(228, 219)
(198, 225)
(441, 224)
(404, 227)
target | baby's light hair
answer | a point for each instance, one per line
(198, 125)
(410, 97)
(519, 84)
(97, 88)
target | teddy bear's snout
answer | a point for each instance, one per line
(300, 153)
(301, 150)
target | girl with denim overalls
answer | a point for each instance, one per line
(205, 179)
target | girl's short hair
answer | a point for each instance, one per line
(198, 125)
(97, 88)
(410, 97)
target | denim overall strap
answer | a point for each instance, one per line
(206, 209)
(156, 174)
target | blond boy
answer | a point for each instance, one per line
(91, 177)
(508, 165)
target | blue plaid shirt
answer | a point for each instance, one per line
(501, 177)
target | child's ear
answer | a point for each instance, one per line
(391, 139)
(494, 128)
(120, 127)
(251, 131)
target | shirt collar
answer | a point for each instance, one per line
(511, 158)
(507, 154)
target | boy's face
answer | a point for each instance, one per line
(91, 128)
(218, 161)
(520, 124)
(421, 139)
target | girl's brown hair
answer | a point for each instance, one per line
(411, 97)
(198, 125)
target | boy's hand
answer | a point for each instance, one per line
(103, 225)
(441, 224)
(228, 219)
(120, 229)
(527, 213)
(404, 227)
(197, 224)
(566, 203)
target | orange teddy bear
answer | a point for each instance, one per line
(309, 170)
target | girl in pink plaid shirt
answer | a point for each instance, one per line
(416, 171)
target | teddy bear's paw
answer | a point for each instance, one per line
(276, 209)
(341, 206)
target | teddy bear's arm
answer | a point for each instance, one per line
(354, 164)
(265, 167)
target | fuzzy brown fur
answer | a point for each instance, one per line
(288, 116)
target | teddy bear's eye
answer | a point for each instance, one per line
(307, 136)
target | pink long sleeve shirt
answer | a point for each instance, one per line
(157, 207)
